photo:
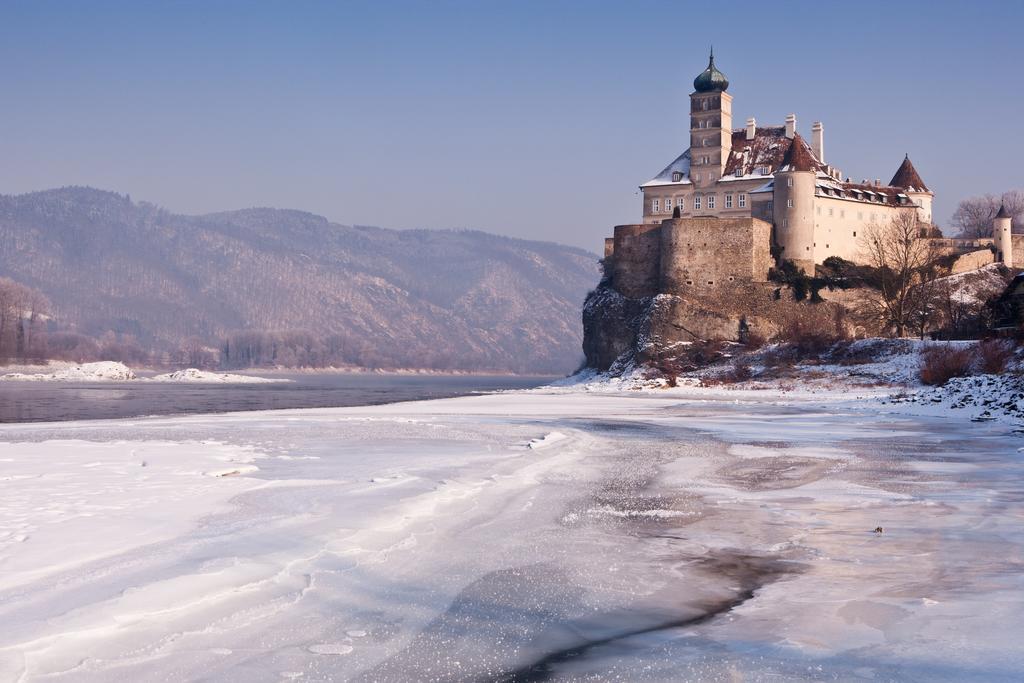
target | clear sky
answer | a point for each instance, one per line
(532, 119)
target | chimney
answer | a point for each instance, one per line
(818, 140)
(790, 125)
(878, 182)
(751, 128)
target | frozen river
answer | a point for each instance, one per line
(527, 536)
(59, 401)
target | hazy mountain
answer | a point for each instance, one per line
(386, 298)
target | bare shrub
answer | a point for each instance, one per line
(697, 355)
(939, 364)
(810, 338)
(754, 339)
(740, 372)
(994, 355)
(669, 369)
(777, 356)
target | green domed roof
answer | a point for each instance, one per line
(711, 79)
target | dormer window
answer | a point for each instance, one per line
(765, 170)
(739, 172)
(677, 176)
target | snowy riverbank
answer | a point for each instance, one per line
(535, 535)
(111, 371)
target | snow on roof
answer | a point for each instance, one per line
(765, 150)
(748, 157)
(680, 165)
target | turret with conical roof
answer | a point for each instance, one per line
(909, 179)
(711, 79)
(799, 156)
(793, 210)
(1002, 235)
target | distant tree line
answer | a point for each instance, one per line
(23, 312)
(304, 349)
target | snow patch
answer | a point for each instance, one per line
(103, 371)
(206, 377)
(546, 440)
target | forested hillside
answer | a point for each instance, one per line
(268, 286)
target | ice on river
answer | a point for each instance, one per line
(525, 536)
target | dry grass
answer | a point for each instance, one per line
(994, 355)
(940, 364)
(738, 373)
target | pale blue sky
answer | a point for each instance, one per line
(532, 119)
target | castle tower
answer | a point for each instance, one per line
(1002, 236)
(908, 178)
(793, 209)
(710, 126)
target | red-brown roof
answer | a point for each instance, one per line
(907, 176)
(868, 192)
(799, 157)
(766, 149)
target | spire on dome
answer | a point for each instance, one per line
(907, 176)
(711, 79)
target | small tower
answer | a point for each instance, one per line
(909, 179)
(793, 205)
(710, 125)
(1002, 236)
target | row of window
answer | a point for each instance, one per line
(706, 123)
(842, 213)
(708, 200)
(679, 175)
(705, 104)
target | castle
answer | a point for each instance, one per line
(736, 204)
(769, 184)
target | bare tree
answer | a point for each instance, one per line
(904, 265)
(21, 312)
(194, 353)
(973, 216)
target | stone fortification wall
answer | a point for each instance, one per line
(635, 261)
(972, 260)
(1018, 251)
(704, 254)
